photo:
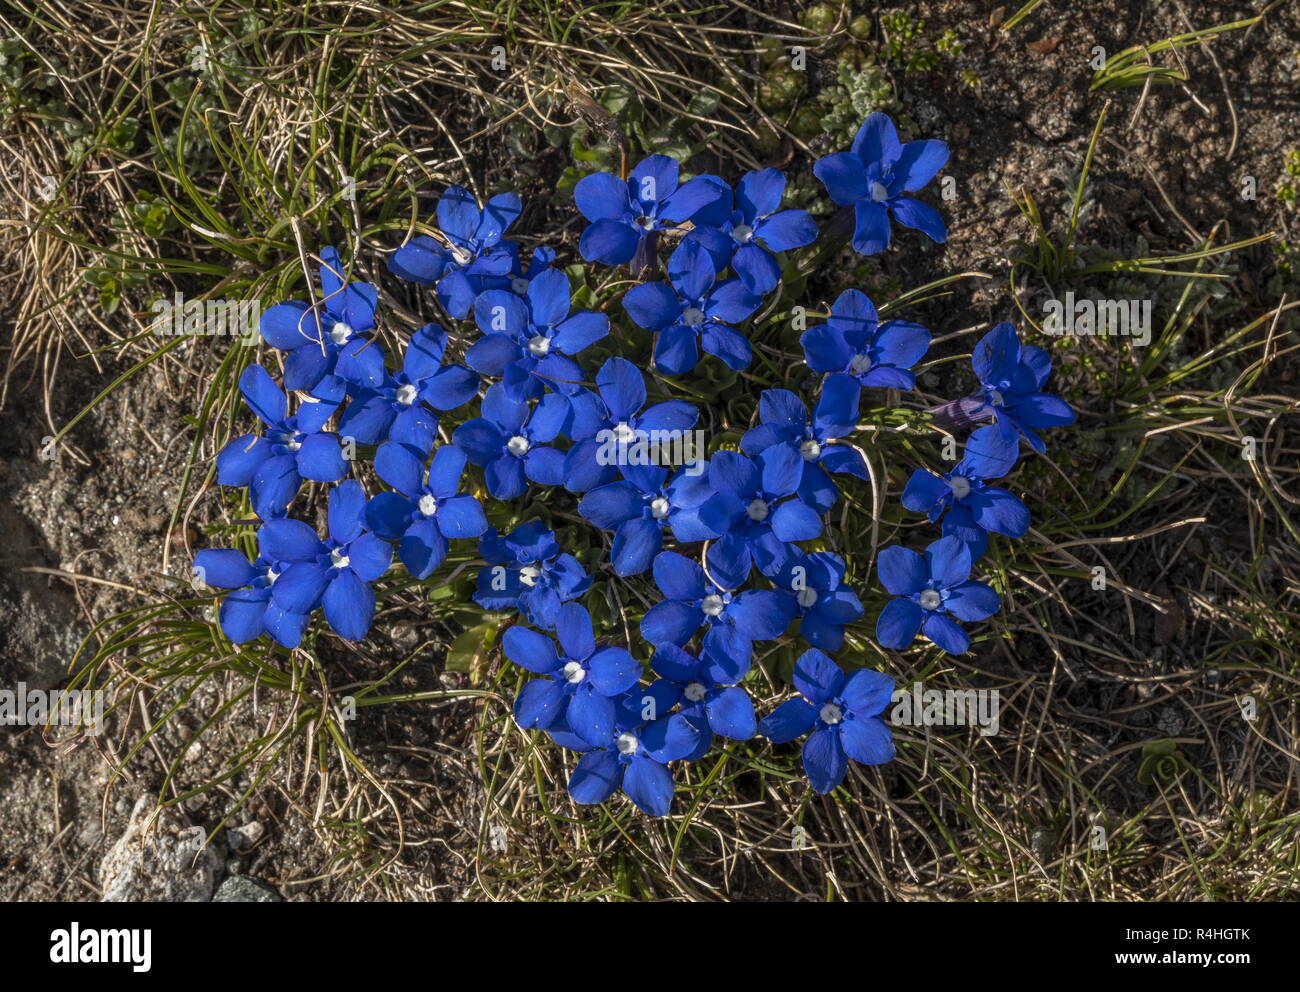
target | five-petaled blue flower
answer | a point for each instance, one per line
(397, 408)
(744, 234)
(528, 572)
(578, 686)
(693, 312)
(690, 601)
(855, 346)
(638, 507)
(613, 429)
(784, 422)
(427, 510)
(707, 691)
(1012, 377)
(248, 611)
(339, 573)
(635, 757)
(872, 177)
(928, 589)
(973, 507)
(753, 514)
(843, 713)
(626, 215)
(509, 440)
(333, 338)
(824, 604)
(473, 259)
(527, 340)
(290, 449)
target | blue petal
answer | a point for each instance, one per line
(793, 718)
(824, 759)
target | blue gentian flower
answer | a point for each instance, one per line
(527, 340)
(707, 691)
(398, 407)
(691, 601)
(824, 604)
(339, 573)
(427, 510)
(872, 177)
(973, 507)
(1012, 377)
(635, 757)
(843, 713)
(928, 589)
(333, 339)
(528, 572)
(693, 312)
(745, 234)
(614, 420)
(638, 507)
(626, 215)
(509, 440)
(290, 449)
(248, 612)
(578, 686)
(783, 421)
(853, 343)
(752, 512)
(474, 259)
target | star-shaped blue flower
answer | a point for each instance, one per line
(873, 176)
(746, 232)
(627, 215)
(693, 312)
(290, 449)
(473, 258)
(973, 507)
(930, 591)
(843, 713)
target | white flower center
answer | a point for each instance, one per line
(529, 575)
(406, 394)
(339, 558)
(539, 344)
(807, 597)
(626, 743)
(694, 692)
(428, 505)
(692, 316)
(960, 486)
(757, 510)
(340, 333)
(659, 508)
(574, 672)
(713, 605)
(831, 713)
(271, 575)
(860, 364)
(995, 397)
(930, 599)
(293, 444)
(811, 451)
(623, 434)
(879, 192)
(742, 233)
(519, 286)
(645, 223)
(460, 254)
(517, 445)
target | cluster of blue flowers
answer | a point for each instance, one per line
(538, 423)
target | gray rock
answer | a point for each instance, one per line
(242, 888)
(159, 859)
